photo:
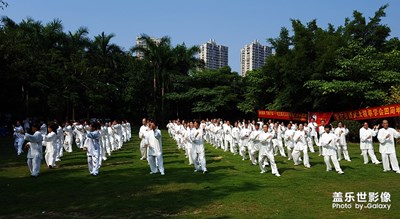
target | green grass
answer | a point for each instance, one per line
(232, 189)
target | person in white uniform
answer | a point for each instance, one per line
(289, 140)
(244, 140)
(235, 138)
(386, 136)
(255, 144)
(92, 145)
(367, 144)
(154, 145)
(341, 132)
(266, 152)
(321, 131)
(68, 132)
(34, 146)
(142, 135)
(198, 152)
(328, 142)
(18, 138)
(51, 146)
(300, 145)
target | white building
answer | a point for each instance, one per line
(142, 43)
(252, 56)
(214, 56)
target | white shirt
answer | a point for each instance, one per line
(387, 143)
(328, 143)
(366, 138)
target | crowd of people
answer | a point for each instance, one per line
(261, 141)
(99, 139)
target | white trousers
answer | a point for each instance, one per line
(50, 156)
(199, 161)
(296, 157)
(371, 153)
(390, 157)
(93, 164)
(343, 148)
(156, 164)
(34, 165)
(18, 145)
(264, 157)
(328, 158)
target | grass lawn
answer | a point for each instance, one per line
(232, 189)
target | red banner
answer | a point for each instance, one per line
(319, 116)
(361, 114)
(302, 117)
(369, 113)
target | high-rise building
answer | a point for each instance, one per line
(140, 42)
(214, 56)
(252, 56)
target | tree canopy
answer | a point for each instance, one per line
(48, 72)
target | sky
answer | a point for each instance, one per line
(233, 23)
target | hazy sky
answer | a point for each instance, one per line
(233, 23)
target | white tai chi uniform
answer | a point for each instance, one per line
(313, 133)
(309, 139)
(155, 151)
(300, 145)
(198, 153)
(244, 141)
(51, 149)
(321, 131)
(328, 144)
(254, 146)
(367, 145)
(79, 135)
(228, 137)
(266, 152)
(34, 155)
(142, 135)
(387, 149)
(60, 143)
(289, 142)
(235, 140)
(342, 144)
(92, 143)
(19, 139)
(68, 138)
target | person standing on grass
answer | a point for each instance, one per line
(387, 148)
(289, 141)
(51, 145)
(328, 142)
(255, 144)
(367, 144)
(341, 132)
(68, 133)
(321, 131)
(244, 140)
(92, 145)
(313, 132)
(18, 138)
(34, 146)
(266, 151)
(235, 138)
(142, 135)
(154, 144)
(300, 145)
(198, 152)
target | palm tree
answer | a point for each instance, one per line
(158, 56)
